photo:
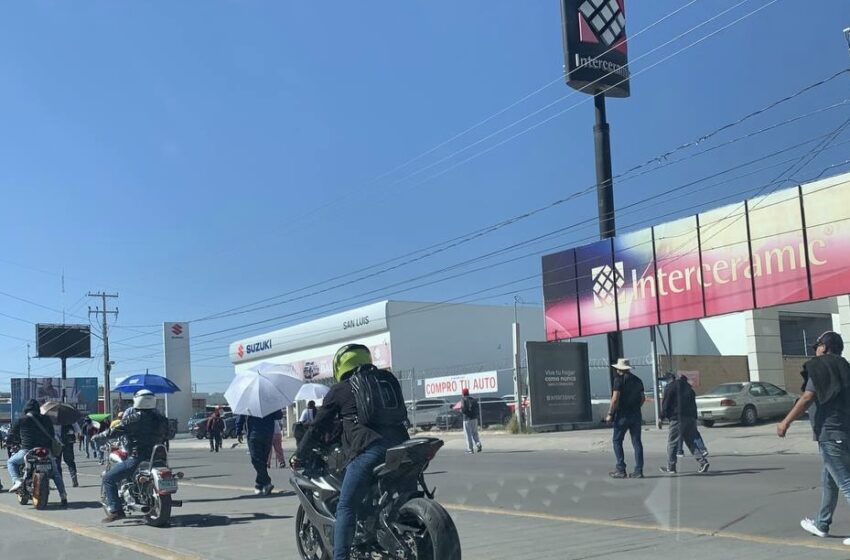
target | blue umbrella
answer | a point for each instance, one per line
(151, 382)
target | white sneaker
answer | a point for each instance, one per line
(258, 491)
(15, 486)
(809, 525)
(846, 541)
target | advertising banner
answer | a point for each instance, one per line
(677, 261)
(178, 368)
(828, 231)
(595, 47)
(453, 385)
(63, 341)
(79, 392)
(637, 301)
(784, 247)
(558, 383)
(561, 295)
(776, 242)
(727, 286)
(598, 281)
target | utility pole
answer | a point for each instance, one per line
(847, 37)
(107, 363)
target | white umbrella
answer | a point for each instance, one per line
(263, 390)
(312, 392)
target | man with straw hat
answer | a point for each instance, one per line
(624, 413)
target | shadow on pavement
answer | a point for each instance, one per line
(286, 494)
(209, 521)
(732, 472)
(84, 505)
(190, 479)
(509, 452)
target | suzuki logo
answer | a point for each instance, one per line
(240, 351)
(606, 282)
(177, 329)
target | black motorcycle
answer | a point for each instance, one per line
(398, 518)
(38, 472)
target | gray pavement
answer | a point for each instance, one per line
(523, 497)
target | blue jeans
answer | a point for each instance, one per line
(699, 444)
(631, 423)
(355, 485)
(16, 462)
(835, 477)
(113, 478)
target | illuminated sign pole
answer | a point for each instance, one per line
(596, 56)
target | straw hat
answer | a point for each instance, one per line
(622, 365)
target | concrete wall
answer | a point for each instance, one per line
(711, 370)
(792, 366)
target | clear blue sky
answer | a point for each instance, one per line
(198, 156)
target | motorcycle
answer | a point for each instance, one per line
(149, 489)
(38, 472)
(398, 517)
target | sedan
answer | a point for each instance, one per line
(743, 402)
(492, 411)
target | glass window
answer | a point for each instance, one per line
(727, 389)
(798, 332)
(773, 390)
(757, 390)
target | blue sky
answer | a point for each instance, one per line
(199, 156)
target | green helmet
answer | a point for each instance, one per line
(350, 357)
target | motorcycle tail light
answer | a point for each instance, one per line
(165, 474)
(143, 479)
(41, 452)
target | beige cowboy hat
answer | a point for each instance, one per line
(622, 365)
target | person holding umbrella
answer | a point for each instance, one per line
(260, 433)
(64, 418)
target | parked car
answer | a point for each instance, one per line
(743, 402)
(424, 412)
(194, 419)
(494, 411)
(199, 429)
(511, 400)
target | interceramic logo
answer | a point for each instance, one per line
(606, 281)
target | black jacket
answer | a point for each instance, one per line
(469, 408)
(254, 426)
(680, 401)
(143, 429)
(26, 430)
(339, 404)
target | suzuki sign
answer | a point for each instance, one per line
(785, 247)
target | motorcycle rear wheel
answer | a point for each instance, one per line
(160, 514)
(40, 490)
(307, 538)
(432, 534)
(23, 497)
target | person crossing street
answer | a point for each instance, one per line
(471, 415)
(215, 429)
(624, 413)
(680, 408)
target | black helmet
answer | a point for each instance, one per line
(32, 407)
(833, 342)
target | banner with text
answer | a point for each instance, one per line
(453, 385)
(783, 247)
(558, 383)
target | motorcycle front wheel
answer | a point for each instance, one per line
(160, 513)
(23, 497)
(428, 530)
(307, 538)
(40, 490)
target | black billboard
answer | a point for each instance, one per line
(595, 46)
(63, 341)
(558, 383)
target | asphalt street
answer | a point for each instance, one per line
(507, 503)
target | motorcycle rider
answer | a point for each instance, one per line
(144, 427)
(33, 430)
(364, 447)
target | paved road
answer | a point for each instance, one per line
(507, 503)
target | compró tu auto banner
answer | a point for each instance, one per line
(453, 385)
(784, 247)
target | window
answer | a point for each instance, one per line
(757, 390)
(774, 391)
(797, 332)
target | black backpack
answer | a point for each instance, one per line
(378, 397)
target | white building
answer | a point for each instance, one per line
(412, 338)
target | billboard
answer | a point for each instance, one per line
(595, 47)
(79, 392)
(558, 383)
(63, 341)
(784, 247)
(453, 385)
(178, 368)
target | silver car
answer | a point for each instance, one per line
(743, 402)
(424, 412)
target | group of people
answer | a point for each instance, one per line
(825, 396)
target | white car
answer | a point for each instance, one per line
(743, 402)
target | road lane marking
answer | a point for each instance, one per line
(644, 526)
(120, 541)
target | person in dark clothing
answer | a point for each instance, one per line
(364, 446)
(67, 434)
(826, 387)
(679, 406)
(215, 429)
(260, 432)
(144, 428)
(31, 431)
(470, 411)
(627, 398)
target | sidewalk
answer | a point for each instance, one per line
(721, 440)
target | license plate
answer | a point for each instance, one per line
(42, 468)
(167, 484)
(706, 414)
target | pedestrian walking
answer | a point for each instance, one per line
(826, 387)
(308, 414)
(215, 429)
(68, 435)
(277, 445)
(679, 406)
(624, 413)
(260, 433)
(699, 444)
(471, 416)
